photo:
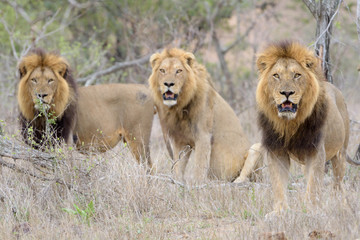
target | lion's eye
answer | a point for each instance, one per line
(178, 71)
(276, 76)
(162, 70)
(50, 80)
(297, 75)
(34, 80)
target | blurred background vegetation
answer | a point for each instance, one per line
(225, 35)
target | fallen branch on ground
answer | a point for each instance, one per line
(42, 162)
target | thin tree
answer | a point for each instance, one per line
(324, 12)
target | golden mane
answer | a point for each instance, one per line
(65, 92)
(197, 82)
(312, 95)
(200, 120)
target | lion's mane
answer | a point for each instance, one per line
(302, 134)
(65, 98)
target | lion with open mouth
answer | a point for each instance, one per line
(302, 117)
(196, 119)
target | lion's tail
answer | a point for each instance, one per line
(356, 160)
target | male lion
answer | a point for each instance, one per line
(111, 112)
(193, 115)
(47, 98)
(98, 116)
(301, 116)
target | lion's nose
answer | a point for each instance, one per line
(287, 94)
(41, 96)
(169, 84)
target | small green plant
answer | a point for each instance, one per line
(85, 215)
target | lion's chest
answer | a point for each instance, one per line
(180, 128)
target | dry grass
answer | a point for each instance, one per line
(117, 200)
(128, 204)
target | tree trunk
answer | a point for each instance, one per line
(358, 18)
(324, 11)
(225, 70)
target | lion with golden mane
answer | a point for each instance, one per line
(195, 117)
(47, 96)
(302, 117)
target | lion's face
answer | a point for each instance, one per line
(172, 80)
(287, 81)
(288, 86)
(42, 84)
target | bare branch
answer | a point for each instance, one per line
(20, 10)
(81, 5)
(29, 173)
(10, 38)
(17, 150)
(170, 179)
(116, 67)
(240, 38)
(311, 5)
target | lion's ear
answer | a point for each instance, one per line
(260, 63)
(189, 58)
(154, 58)
(22, 70)
(63, 70)
(311, 62)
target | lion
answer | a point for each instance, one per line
(96, 117)
(302, 117)
(110, 113)
(47, 97)
(196, 118)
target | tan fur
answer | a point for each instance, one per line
(311, 93)
(110, 113)
(199, 118)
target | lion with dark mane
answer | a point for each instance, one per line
(47, 96)
(302, 117)
(195, 117)
(97, 117)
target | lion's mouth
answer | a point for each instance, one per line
(169, 96)
(287, 106)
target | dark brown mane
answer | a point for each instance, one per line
(305, 140)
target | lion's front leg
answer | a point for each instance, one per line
(200, 164)
(181, 157)
(279, 164)
(314, 171)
